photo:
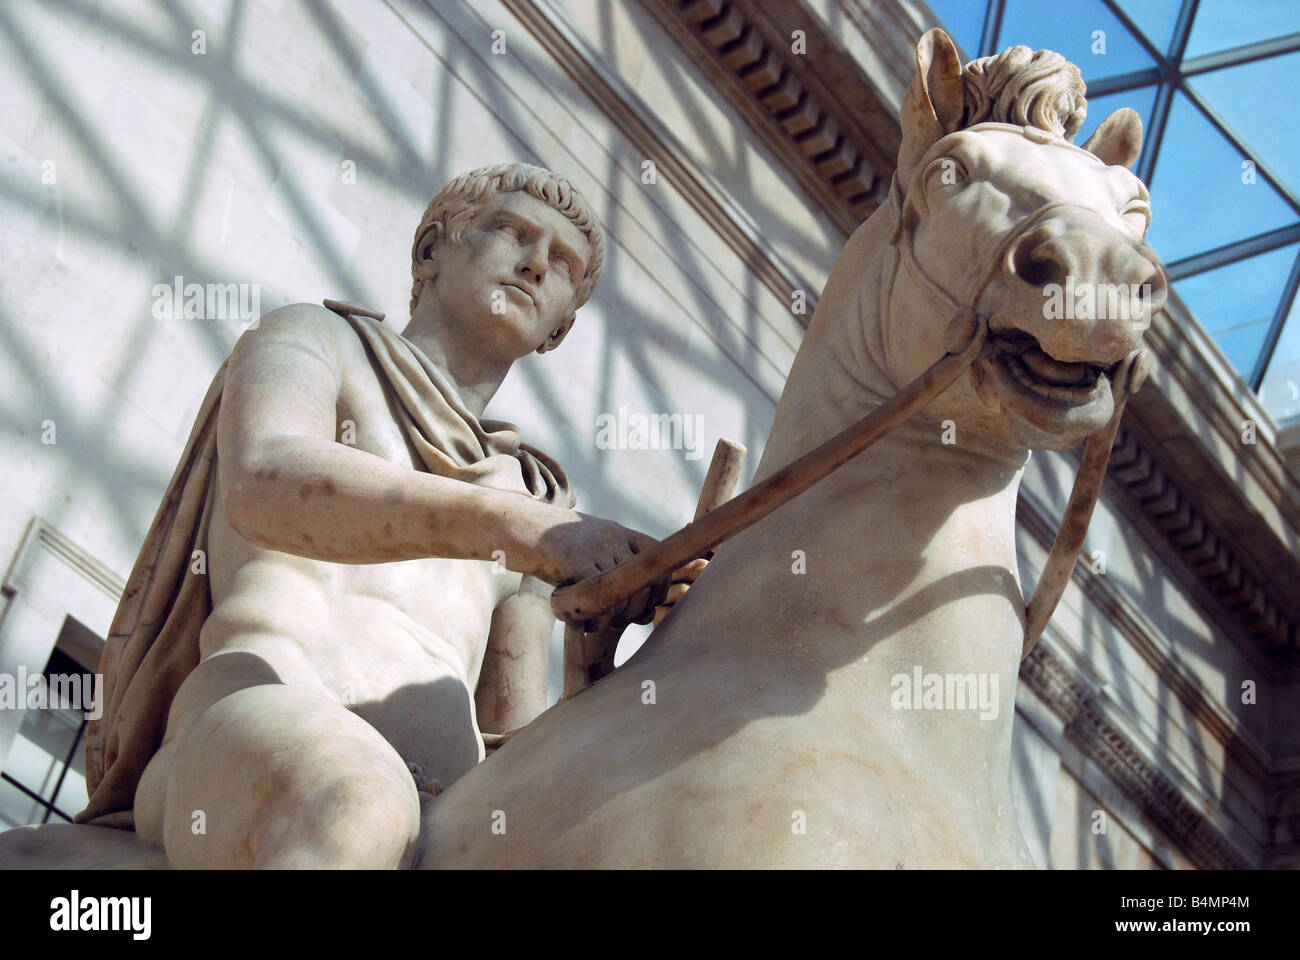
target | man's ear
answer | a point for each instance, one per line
(935, 103)
(558, 334)
(1118, 141)
(423, 256)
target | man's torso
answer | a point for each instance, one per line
(398, 643)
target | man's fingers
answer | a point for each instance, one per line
(676, 591)
(608, 618)
(639, 608)
(674, 588)
(640, 541)
(661, 592)
(689, 571)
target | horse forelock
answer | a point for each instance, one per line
(1021, 87)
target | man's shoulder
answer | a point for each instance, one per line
(298, 320)
(303, 327)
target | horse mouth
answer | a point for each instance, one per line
(1037, 372)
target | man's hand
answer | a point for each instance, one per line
(563, 546)
(681, 581)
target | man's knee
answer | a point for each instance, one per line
(361, 821)
(275, 775)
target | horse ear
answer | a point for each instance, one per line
(935, 102)
(1118, 141)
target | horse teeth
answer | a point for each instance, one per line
(1053, 371)
(1069, 393)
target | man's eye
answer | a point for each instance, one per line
(562, 261)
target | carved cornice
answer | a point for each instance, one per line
(1191, 420)
(1142, 634)
(832, 132)
(1243, 752)
(1161, 800)
(655, 141)
(1245, 755)
(1254, 607)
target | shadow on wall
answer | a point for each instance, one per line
(118, 209)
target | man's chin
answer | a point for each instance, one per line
(511, 333)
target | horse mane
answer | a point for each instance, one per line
(1025, 88)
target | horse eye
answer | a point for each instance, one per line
(946, 171)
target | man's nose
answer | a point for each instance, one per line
(533, 261)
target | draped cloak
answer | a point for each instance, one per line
(153, 642)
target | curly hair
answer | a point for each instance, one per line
(459, 201)
(1020, 86)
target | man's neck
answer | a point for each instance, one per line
(475, 375)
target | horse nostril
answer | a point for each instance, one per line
(1034, 261)
(1155, 290)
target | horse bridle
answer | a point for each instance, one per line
(967, 341)
(967, 326)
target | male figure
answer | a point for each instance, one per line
(353, 590)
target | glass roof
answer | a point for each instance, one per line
(1214, 81)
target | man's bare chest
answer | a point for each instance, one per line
(432, 599)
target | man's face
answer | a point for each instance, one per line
(513, 275)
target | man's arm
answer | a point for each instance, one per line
(512, 683)
(290, 487)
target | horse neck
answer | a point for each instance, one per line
(909, 548)
(839, 373)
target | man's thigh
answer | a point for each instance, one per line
(272, 769)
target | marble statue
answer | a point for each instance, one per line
(763, 724)
(785, 712)
(375, 553)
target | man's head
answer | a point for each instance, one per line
(511, 248)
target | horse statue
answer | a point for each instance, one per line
(763, 723)
(798, 706)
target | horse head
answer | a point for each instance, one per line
(997, 214)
